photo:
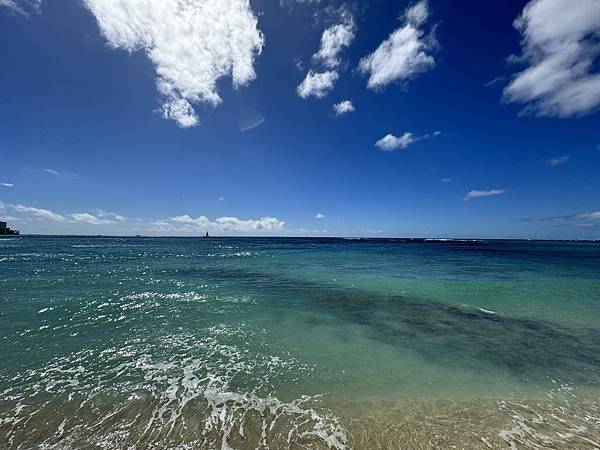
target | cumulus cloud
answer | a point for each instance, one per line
(319, 216)
(186, 223)
(343, 107)
(192, 44)
(476, 193)
(406, 53)
(555, 162)
(390, 142)
(334, 40)
(7, 185)
(317, 84)
(560, 47)
(183, 224)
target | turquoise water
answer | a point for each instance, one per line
(298, 343)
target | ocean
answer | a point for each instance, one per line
(298, 343)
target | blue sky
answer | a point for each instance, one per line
(464, 119)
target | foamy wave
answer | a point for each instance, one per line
(198, 392)
(563, 423)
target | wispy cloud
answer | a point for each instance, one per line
(24, 7)
(555, 162)
(390, 142)
(192, 44)
(39, 213)
(97, 217)
(589, 219)
(476, 193)
(343, 107)
(319, 216)
(560, 48)
(406, 53)
(445, 180)
(495, 81)
(7, 185)
(60, 174)
(107, 214)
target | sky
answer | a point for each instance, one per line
(376, 118)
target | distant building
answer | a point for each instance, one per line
(5, 230)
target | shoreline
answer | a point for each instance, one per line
(232, 423)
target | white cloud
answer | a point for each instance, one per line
(58, 174)
(343, 107)
(595, 215)
(183, 224)
(587, 219)
(390, 142)
(560, 47)
(200, 221)
(475, 193)
(445, 180)
(404, 54)
(333, 41)
(319, 216)
(7, 185)
(112, 215)
(180, 110)
(495, 81)
(186, 223)
(12, 5)
(99, 217)
(317, 84)
(37, 212)
(192, 44)
(90, 219)
(555, 162)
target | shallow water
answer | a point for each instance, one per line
(298, 343)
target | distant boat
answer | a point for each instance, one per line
(206, 235)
